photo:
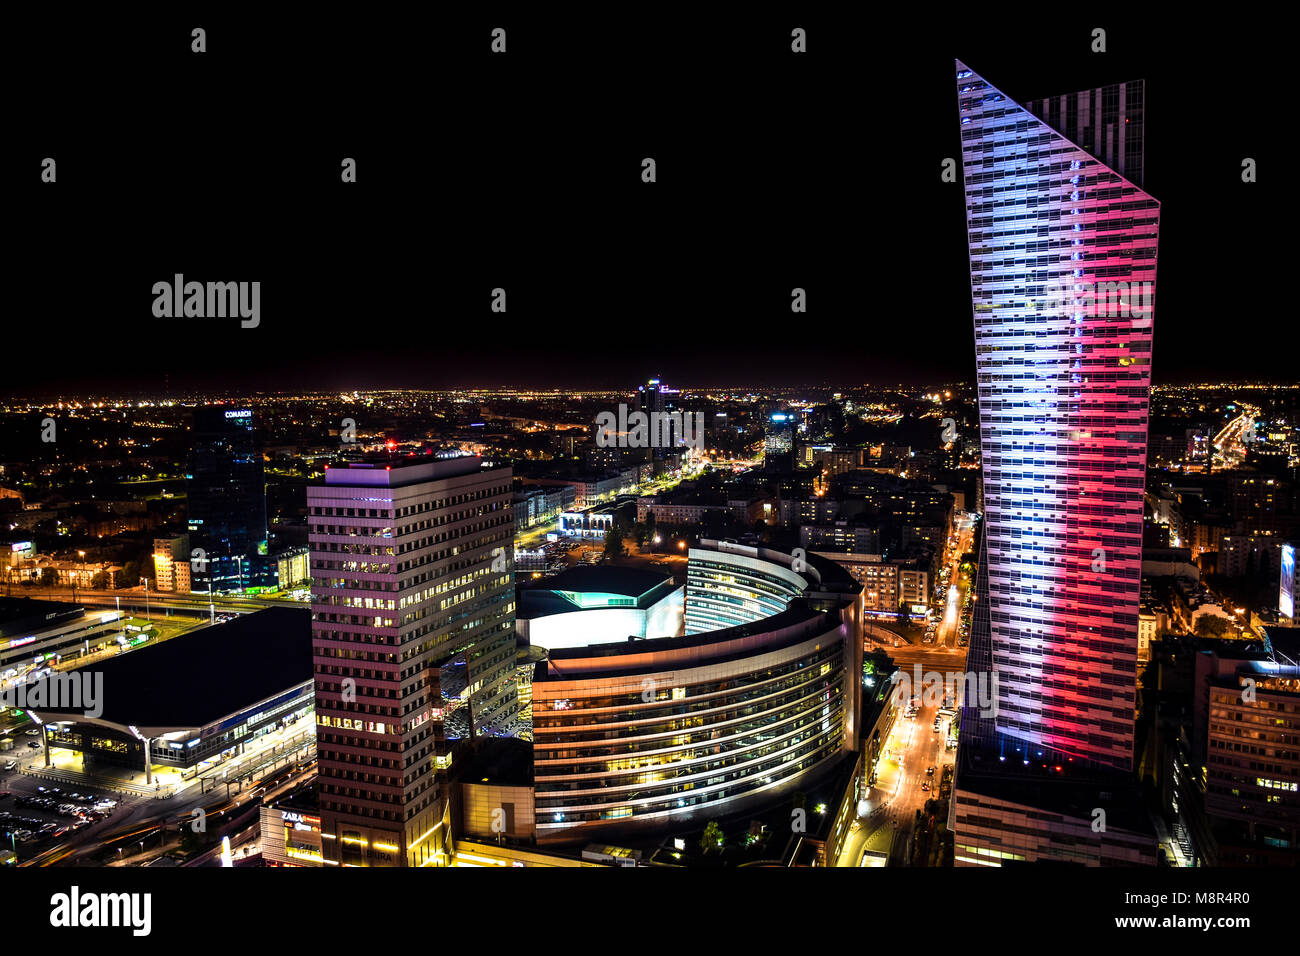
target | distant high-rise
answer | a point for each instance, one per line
(778, 442)
(1062, 268)
(413, 637)
(226, 497)
(658, 400)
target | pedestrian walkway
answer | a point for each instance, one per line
(95, 781)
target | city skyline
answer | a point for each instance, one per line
(700, 441)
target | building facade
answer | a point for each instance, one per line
(1062, 261)
(651, 734)
(226, 497)
(414, 645)
(171, 564)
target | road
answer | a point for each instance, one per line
(888, 813)
(135, 599)
(949, 625)
(1229, 444)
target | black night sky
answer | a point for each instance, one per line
(523, 171)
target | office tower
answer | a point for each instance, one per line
(778, 442)
(1062, 270)
(226, 493)
(1062, 259)
(1237, 779)
(657, 400)
(414, 644)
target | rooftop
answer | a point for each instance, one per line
(392, 471)
(603, 579)
(200, 677)
(26, 614)
(504, 761)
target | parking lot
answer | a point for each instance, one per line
(30, 821)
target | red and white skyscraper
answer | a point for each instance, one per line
(1062, 245)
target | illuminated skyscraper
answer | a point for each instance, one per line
(1062, 262)
(778, 442)
(413, 634)
(226, 499)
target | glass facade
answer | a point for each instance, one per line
(226, 493)
(1062, 266)
(725, 590)
(706, 736)
(676, 729)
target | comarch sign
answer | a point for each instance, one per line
(242, 413)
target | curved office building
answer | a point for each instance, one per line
(725, 589)
(663, 731)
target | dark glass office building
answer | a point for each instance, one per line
(227, 502)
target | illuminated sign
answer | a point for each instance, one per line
(243, 413)
(1286, 595)
(19, 642)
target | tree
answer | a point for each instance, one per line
(1211, 625)
(614, 543)
(902, 613)
(712, 838)
(133, 571)
(49, 577)
(100, 581)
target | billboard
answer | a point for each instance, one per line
(1286, 593)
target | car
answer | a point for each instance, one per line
(929, 771)
(936, 728)
(33, 732)
(5, 793)
(925, 786)
(11, 765)
(34, 745)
